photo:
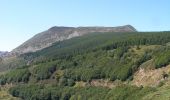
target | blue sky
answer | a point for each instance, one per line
(22, 19)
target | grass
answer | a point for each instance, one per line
(162, 93)
(143, 48)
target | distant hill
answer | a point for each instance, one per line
(4, 53)
(54, 34)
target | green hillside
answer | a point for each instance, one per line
(103, 63)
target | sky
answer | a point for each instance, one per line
(22, 19)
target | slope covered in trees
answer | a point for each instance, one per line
(55, 70)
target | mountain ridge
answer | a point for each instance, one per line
(60, 33)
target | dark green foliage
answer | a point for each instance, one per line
(120, 51)
(14, 76)
(162, 58)
(96, 41)
(44, 70)
(95, 56)
(41, 92)
(104, 64)
(82, 74)
(28, 92)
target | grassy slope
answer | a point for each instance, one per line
(162, 93)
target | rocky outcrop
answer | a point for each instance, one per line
(54, 34)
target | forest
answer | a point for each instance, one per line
(54, 72)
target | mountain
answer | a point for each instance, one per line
(4, 53)
(54, 34)
(1, 53)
